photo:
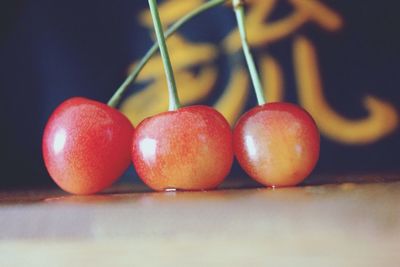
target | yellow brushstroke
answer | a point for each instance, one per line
(233, 100)
(325, 17)
(154, 99)
(170, 11)
(263, 9)
(183, 54)
(261, 33)
(381, 121)
(271, 73)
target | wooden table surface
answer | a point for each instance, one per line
(242, 224)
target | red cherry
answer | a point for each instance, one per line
(86, 145)
(277, 144)
(186, 149)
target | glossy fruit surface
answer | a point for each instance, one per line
(86, 145)
(187, 149)
(277, 144)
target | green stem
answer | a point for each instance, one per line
(255, 78)
(116, 98)
(169, 73)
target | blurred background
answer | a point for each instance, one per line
(338, 59)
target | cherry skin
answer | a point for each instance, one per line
(277, 144)
(187, 149)
(86, 145)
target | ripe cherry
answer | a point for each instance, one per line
(86, 145)
(277, 144)
(186, 149)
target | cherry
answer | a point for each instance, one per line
(186, 149)
(277, 144)
(86, 145)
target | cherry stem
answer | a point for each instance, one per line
(255, 77)
(116, 98)
(169, 73)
